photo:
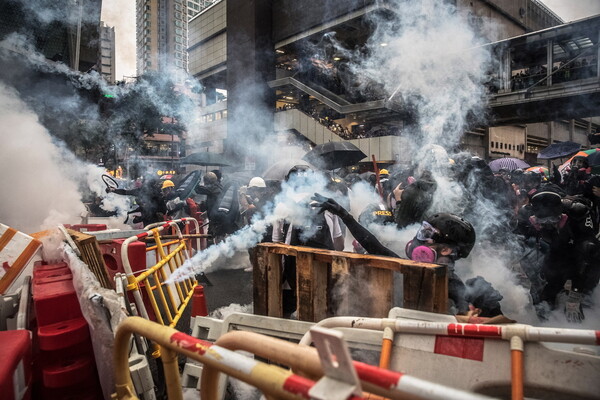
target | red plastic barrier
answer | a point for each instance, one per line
(15, 368)
(43, 273)
(68, 371)
(63, 334)
(111, 252)
(65, 355)
(55, 301)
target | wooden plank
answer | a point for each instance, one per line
(259, 278)
(413, 278)
(394, 263)
(311, 288)
(339, 287)
(377, 291)
(274, 300)
(440, 295)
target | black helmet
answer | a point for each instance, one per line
(376, 213)
(453, 230)
(546, 204)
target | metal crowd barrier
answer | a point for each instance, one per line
(332, 374)
(166, 301)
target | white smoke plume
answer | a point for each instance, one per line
(291, 204)
(37, 189)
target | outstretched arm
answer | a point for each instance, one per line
(362, 235)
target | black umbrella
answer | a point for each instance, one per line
(332, 155)
(560, 149)
(206, 158)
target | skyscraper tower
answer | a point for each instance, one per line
(107, 52)
(161, 36)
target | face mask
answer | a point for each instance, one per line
(418, 252)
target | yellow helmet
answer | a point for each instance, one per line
(167, 184)
(383, 172)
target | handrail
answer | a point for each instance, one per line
(270, 379)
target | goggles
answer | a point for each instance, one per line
(427, 233)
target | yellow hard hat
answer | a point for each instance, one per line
(383, 172)
(167, 184)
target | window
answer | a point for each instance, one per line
(178, 7)
(179, 24)
(178, 39)
(178, 47)
(178, 15)
(178, 31)
(178, 55)
(179, 63)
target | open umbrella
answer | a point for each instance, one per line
(557, 150)
(332, 155)
(206, 158)
(540, 170)
(583, 153)
(507, 163)
(279, 170)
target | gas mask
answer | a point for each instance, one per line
(551, 223)
(417, 250)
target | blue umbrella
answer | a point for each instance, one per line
(508, 163)
(557, 150)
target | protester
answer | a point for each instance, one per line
(443, 238)
(563, 231)
(149, 201)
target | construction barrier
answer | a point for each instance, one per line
(166, 301)
(65, 356)
(496, 359)
(17, 251)
(340, 283)
(272, 380)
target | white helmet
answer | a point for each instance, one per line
(257, 181)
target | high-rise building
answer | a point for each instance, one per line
(107, 53)
(197, 6)
(161, 36)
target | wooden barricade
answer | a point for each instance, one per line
(92, 256)
(330, 283)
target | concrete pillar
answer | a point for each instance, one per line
(571, 129)
(250, 65)
(506, 71)
(549, 61)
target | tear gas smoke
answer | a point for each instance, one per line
(291, 204)
(37, 190)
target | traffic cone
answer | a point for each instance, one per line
(199, 302)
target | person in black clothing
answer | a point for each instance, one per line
(443, 239)
(579, 173)
(221, 206)
(149, 200)
(563, 229)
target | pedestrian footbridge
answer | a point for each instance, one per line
(539, 76)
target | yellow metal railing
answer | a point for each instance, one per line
(166, 300)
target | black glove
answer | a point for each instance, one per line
(328, 204)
